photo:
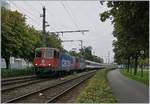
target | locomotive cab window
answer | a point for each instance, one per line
(38, 53)
(56, 54)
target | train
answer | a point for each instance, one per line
(51, 61)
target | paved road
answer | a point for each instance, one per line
(127, 90)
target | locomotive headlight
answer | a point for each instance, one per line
(36, 64)
(49, 64)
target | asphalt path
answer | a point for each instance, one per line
(127, 90)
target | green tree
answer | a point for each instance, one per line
(130, 20)
(53, 41)
(73, 53)
(13, 26)
(31, 40)
(97, 59)
(87, 53)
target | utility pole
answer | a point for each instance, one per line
(108, 57)
(81, 41)
(81, 46)
(44, 33)
(44, 26)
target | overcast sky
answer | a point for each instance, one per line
(72, 15)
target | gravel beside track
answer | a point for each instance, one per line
(43, 92)
(71, 95)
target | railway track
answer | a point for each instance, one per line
(53, 91)
(55, 98)
(22, 84)
(10, 81)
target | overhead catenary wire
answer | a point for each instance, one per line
(23, 9)
(74, 16)
(27, 15)
(34, 20)
(69, 14)
(48, 21)
(50, 13)
(32, 7)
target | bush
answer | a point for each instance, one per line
(144, 79)
(16, 72)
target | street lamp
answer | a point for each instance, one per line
(142, 52)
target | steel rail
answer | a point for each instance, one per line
(67, 90)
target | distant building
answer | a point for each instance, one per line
(3, 64)
(15, 63)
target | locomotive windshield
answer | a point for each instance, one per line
(46, 53)
(49, 53)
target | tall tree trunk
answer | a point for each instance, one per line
(128, 64)
(142, 70)
(7, 62)
(136, 64)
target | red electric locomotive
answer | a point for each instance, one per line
(51, 62)
(46, 60)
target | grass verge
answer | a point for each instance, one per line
(5, 73)
(144, 79)
(97, 90)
